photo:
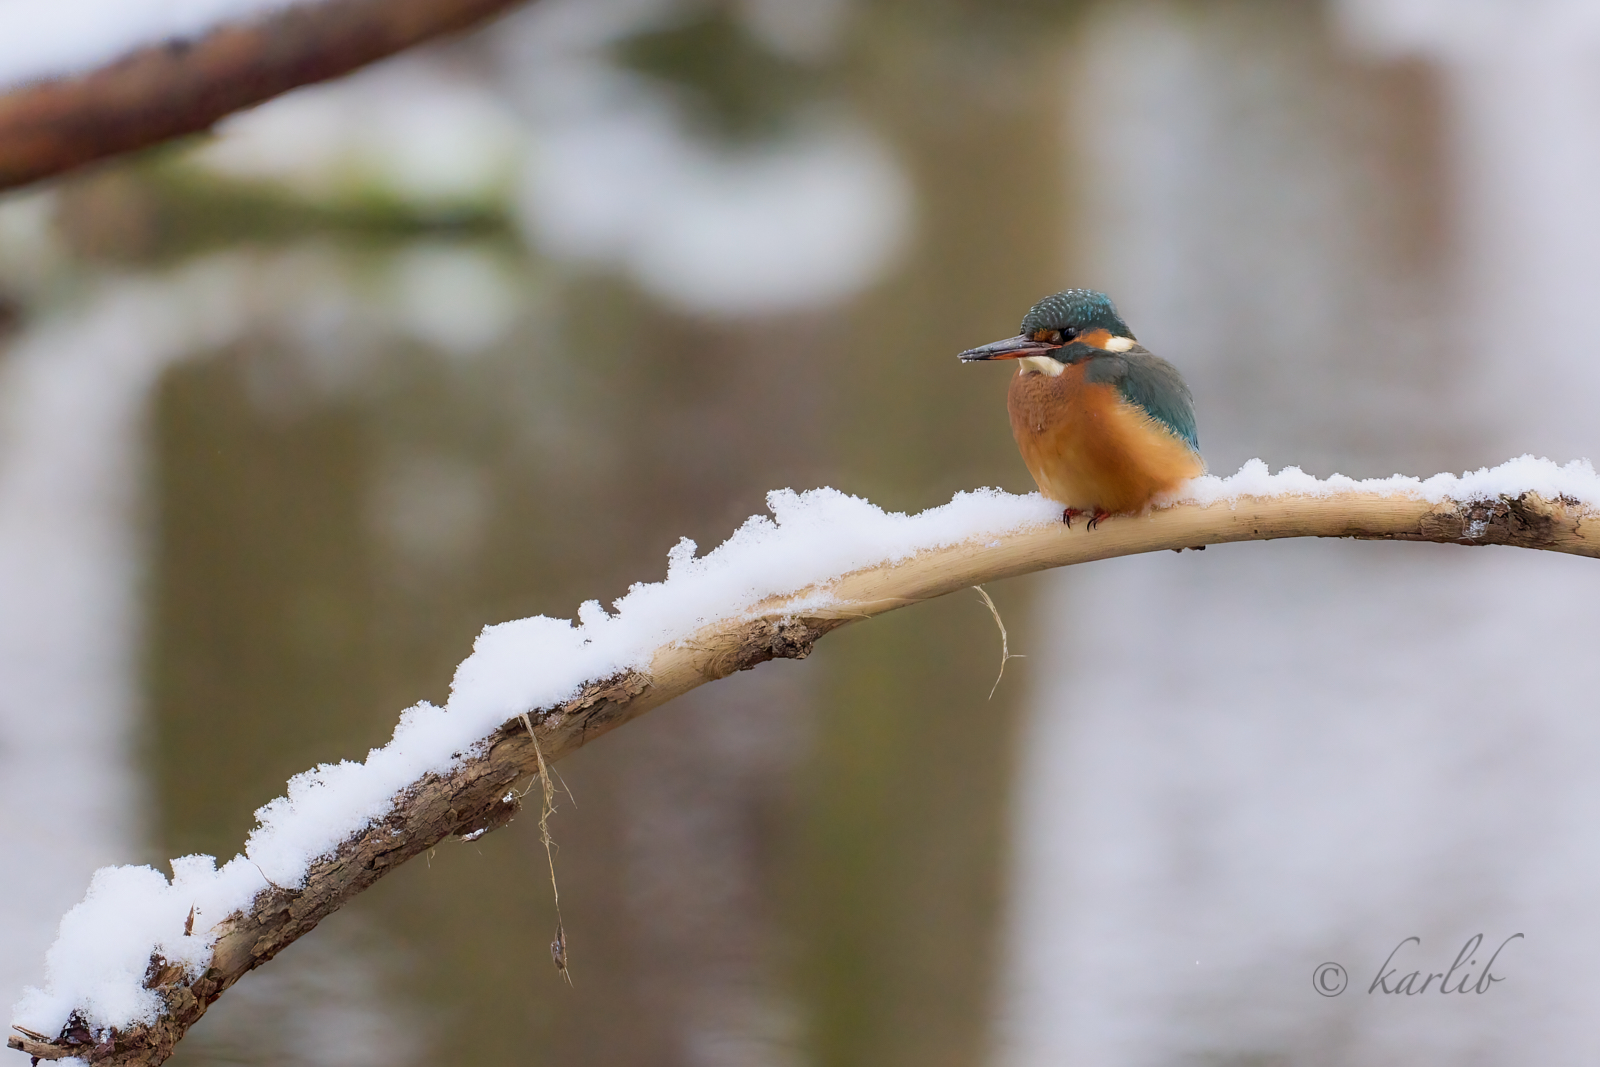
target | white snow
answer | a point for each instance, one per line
(98, 962)
(1576, 481)
(65, 37)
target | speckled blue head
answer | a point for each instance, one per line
(1081, 326)
(1078, 310)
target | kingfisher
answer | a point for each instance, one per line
(1103, 424)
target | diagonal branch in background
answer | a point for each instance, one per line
(179, 87)
(477, 795)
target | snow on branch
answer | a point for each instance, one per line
(171, 70)
(141, 958)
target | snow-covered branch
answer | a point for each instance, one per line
(139, 961)
(166, 84)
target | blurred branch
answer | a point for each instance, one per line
(182, 87)
(478, 796)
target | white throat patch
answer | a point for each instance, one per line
(1041, 364)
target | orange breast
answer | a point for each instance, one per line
(1089, 449)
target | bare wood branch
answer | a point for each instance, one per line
(477, 796)
(183, 87)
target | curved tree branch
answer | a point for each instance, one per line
(182, 87)
(478, 795)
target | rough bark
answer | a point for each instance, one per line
(478, 795)
(183, 87)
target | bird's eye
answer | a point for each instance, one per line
(1069, 333)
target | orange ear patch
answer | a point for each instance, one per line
(1097, 338)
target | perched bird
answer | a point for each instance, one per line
(1103, 424)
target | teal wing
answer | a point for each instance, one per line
(1149, 381)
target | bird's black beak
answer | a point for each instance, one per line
(1011, 348)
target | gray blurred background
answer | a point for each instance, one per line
(289, 413)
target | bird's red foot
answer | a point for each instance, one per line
(1098, 515)
(1068, 514)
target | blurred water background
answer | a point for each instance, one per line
(288, 413)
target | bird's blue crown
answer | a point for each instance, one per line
(1083, 309)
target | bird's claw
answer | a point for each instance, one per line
(1067, 515)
